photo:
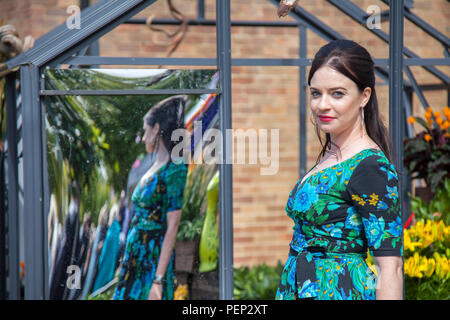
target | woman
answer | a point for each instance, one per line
(348, 202)
(147, 267)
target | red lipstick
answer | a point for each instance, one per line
(325, 118)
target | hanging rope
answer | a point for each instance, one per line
(178, 35)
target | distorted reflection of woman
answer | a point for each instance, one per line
(147, 267)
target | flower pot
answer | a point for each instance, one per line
(186, 255)
(424, 193)
(205, 286)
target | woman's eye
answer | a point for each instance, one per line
(338, 94)
(315, 94)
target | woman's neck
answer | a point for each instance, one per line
(349, 141)
(162, 155)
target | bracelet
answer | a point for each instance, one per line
(158, 279)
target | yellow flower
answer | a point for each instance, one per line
(358, 199)
(411, 120)
(408, 244)
(181, 292)
(431, 265)
(427, 137)
(373, 199)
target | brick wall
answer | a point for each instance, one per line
(263, 97)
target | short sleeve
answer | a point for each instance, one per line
(176, 182)
(373, 192)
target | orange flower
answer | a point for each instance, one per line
(427, 137)
(437, 114)
(439, 120)
(429, 110)
(445, 125)
(428, 115)
(411, 120)
(447, 113)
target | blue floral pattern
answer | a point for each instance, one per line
(341, 212)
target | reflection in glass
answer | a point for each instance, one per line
(96, 157)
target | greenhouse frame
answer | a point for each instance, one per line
(25, 111)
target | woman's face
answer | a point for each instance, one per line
(149, 136)
(335, 101)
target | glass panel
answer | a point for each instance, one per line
(122, 79)
(113, 195)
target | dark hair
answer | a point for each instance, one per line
(353, 61)
(169, 113)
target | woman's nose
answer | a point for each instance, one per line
(324, 102)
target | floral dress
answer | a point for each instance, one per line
(160, 194)
(340, 213)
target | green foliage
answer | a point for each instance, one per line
(428, 160)
(191, 230)
(192, 215)
(258, 283)
(427, 288)
(440, 203)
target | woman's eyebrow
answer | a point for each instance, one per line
(334, 88)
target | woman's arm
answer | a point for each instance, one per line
(390, 278)
(173, 221)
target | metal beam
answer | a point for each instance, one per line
(126, 92)
(302, 101)
(33, 184)
(302, 61)
(396, 118)
(13, 182)
(209, 22)
(226, 278)
(201, 9)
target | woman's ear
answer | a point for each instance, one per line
(156, 128)
(366, 96)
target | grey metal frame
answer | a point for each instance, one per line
(64, 46)
(13, 190)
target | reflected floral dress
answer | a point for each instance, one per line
(340, 213)
(160, 194)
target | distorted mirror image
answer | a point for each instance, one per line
(133, 212)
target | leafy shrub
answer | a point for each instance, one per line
(258, 283)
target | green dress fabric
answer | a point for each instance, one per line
(160, 194)
(340, 213)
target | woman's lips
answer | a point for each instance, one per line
(326, 118)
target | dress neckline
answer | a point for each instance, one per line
(303, 179)
(145, 182)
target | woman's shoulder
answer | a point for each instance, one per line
(177, 167)
(374, 162)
